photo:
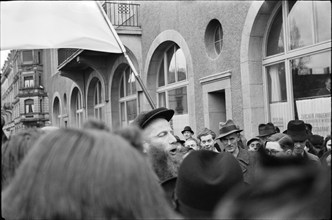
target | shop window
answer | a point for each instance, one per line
(276, 39)
(128, 102)
(298, 82)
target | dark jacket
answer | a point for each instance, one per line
(248, 164)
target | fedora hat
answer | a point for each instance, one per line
(146, 117)
(296, 130)
(317, 140)
(204, 178)
(187, 128)
(266, 129)
(227, 128)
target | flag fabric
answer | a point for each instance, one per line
(56, 24)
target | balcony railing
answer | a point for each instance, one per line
(122, 14)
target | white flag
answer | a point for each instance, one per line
(56, 24)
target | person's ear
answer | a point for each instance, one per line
(145, 147)
(288, 152)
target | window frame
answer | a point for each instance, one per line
(288, 55)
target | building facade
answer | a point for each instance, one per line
(24, 100)
(250, 61)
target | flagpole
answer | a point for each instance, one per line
(138, 78)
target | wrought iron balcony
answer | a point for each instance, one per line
(122, 14)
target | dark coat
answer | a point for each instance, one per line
(248, 163)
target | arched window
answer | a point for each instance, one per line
(128, 103)
(98, 104)
(298, 64)
(172, 83)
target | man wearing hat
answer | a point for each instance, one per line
(265, 131)
(296, 129)
(230, 141)
(187, 132)
(205, 177)
(159, 143)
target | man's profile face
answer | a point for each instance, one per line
(162, 149)
(207, 142)
(273, 148)
(230, 142)
(187, 134)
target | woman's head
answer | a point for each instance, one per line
(14, 151)
(84, 174)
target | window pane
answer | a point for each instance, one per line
(178, 100)
(275, 42)
(181, 65)
(99, 92)
(161, 76)
(132, 81)
(218, 36)
(27, 56)
(131, 110)
(162, 99)
(276, 83)
(310, 74)
(121, 88)
(171, 65)
(300, 23)
(323, 20)
(123, 112)
(127, 72)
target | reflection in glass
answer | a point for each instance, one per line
(171, 66)
(275, 42)
(177, 99)
(131, 110)
(161, 77)
(276, 83)
(162, 99)
(310, 74)
(300, 23)
(181, 65)
(218, 36)
(323, 20)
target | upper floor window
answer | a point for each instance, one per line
(27, 56)
(28, 81)
(213, 38)
(29, 106)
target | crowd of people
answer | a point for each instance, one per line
(144, 171)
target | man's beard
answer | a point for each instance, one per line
(164, 165)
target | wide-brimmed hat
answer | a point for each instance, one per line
(179, 140)
(144, 118)
(317, 140)
(187, 128)
(297, 131)
(266, 130)
(204, 178)
(227, 128)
